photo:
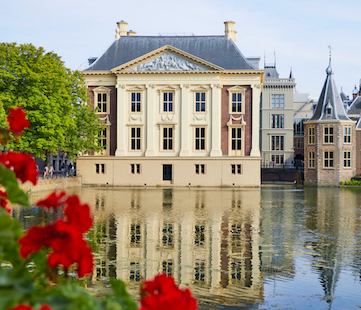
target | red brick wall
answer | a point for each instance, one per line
(112, 116)
(247, 118)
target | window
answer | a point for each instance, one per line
(277, 159)
(101, 100)
(347, 159)
(200, 102)
(347, 134)
(167, 235)
(277, 143)
(236, 139)
(277, 120)
(135, 102)
(236, 102)
(200, 270)
(100, 168)
(135, 235)
(200, 138)
(135, 138)
(168, 102)
(134, 271)
(328, 134)
(167, 138)
(135, 168)
(311, 159)
(298, 144)
(200, 169)
(236, 169)
(200, 235)
(102, 141)
(167, 266)
(278, 101)
(311, 135)
(328, 159)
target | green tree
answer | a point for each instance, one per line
(53, 97)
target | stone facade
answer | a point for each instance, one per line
(172, 117)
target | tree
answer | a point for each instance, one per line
(53, 97)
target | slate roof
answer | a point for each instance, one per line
(329, 98)
(217, 50)
(355, 107)
(271, 72)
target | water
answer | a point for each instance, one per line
(275, 248)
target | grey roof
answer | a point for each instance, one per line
(329, 97)
(217, 50)
(355, 107)
(271, 72)
(343, 96)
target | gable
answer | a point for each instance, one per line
(167, 59)
(169, 62)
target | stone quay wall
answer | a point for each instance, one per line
(51, 184)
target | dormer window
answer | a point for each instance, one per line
(328, 109)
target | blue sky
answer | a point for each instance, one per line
(299, 32)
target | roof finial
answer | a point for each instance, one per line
(329, 69)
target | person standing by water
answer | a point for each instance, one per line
(46, 171)
(51, 171)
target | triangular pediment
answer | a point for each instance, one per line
(167, 59)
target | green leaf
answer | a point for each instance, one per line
(11, 185)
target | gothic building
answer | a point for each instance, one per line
(178, 110)
(330, 139)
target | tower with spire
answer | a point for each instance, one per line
(330, 141)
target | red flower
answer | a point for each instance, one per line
(22, 164)
(4, 201)
(45, 307)
(17, 120)
(78, 214)
(163, 293)
(52, 201)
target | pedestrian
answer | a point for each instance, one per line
(46, 171)
(62, 168)
(51, 171)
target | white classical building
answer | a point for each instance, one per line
(179, 111)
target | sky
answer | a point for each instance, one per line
(296, 33)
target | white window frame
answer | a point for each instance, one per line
(141, 138)
(279, 105)
(168, 101)
(277, 121)
(236, 151)
(135, 168)
(201, 89)
(236, 90)
(101, 91)
(281, 143)
(104, 142)
(135, 90)
(161, 144)
(279, 159)
(200, 168)
(236, 168)
(200, 138)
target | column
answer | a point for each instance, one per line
(184, 123)
(216, 113)
(149, 125)
(256, 97)
(121, 112)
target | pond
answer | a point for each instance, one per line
(274, 248)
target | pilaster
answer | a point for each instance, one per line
(121, 112)
(216, 120)
(256, 97)
(184, 123)
(149, 126)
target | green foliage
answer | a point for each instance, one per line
(51, 94)
(353, 182)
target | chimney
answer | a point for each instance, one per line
(121, 30)
(229, 31)
(131, 33)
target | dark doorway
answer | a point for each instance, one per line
(167, 172)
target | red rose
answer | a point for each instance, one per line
(22, 307)
(17, 120)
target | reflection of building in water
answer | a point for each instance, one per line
(207, 240)
(278, 233)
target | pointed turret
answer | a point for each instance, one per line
(330, 105)
(291, 74)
